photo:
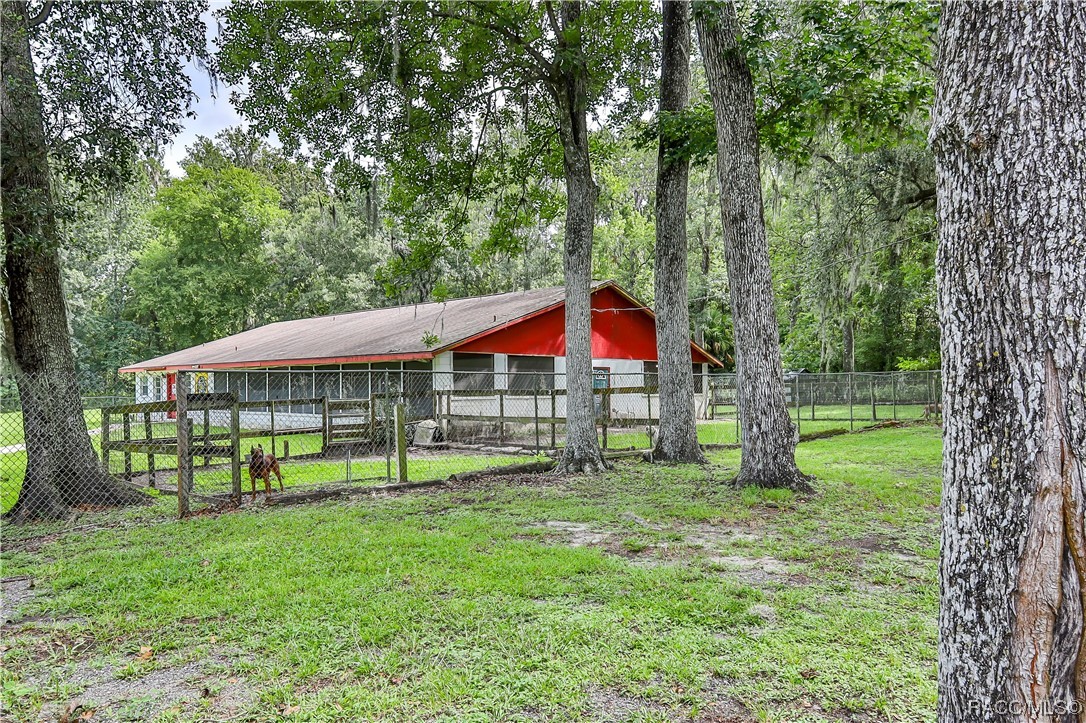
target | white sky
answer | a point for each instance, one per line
(213, 113)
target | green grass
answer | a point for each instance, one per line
(368, 471)
(11, 425)
(479, 603)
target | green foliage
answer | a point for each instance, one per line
(864, 69)
(453, 102)
(113, 82)
(205, 273)
(926, 363)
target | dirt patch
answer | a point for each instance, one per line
(714, 537)
(607, 705)
(15, 592)
(199, 684)
(757, 570)
(718, 704)
(867, 543)
(574, 534)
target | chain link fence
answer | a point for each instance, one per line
(267, 436)
(819, 402)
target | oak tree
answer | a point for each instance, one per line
(678, 439)
(86, 88)
(1009, 136)
(769, 437)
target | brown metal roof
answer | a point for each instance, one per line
(373, 335)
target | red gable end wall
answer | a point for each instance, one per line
(618, 332)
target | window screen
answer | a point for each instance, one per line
(699, 380)
(356, 381)
(473, 371)
(278, 386)
(385, 378)
(326, 383)
(652, 374)
(256, 384)
(527, 373)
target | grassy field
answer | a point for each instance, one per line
(646, 594)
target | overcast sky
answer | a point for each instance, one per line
(212, 113)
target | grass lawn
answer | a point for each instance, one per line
(368, 471)
(645, 594)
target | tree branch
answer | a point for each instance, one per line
(42, 15)
(542, 66)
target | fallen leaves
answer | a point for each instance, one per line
(146, 653)
(75, 711)
(286, 709)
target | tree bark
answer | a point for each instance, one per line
(62, 469)
(1009, 137)
(848, 341)
(582, 452)
(678, 439)
(769, 437)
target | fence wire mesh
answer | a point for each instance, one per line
(195, 439)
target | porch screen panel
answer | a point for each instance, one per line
(473, 372)
(256, 386)
(301, 387)
(278, 386)
(327, 383)
(652, 374)
(356, 381)
(527, 373)
(418, 389)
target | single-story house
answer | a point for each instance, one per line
(513, 341)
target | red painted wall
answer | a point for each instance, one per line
(619, 331)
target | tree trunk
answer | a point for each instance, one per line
(61, 467)
(1009, 137)
(848, 341)
(582, 452)
(769, 437)
(678, 439)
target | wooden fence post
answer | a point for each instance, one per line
(105, 439)
(235, 450)
(127, 432)
(536, 399)
(605, 410)
(554, 415)
(893, 392)
(184, 446)
(401, 444)
(851, 418)
(207, 434)
(271, 412)
(501, 416)
(149, 433)
(798, 422)
(871, 390)
(326, 425)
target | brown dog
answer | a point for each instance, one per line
(263, 466)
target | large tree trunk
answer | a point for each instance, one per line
(769, 437)
(61, 467)
(678, 440)
(1009, 136)
(582, 452)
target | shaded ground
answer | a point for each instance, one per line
(647, 594)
